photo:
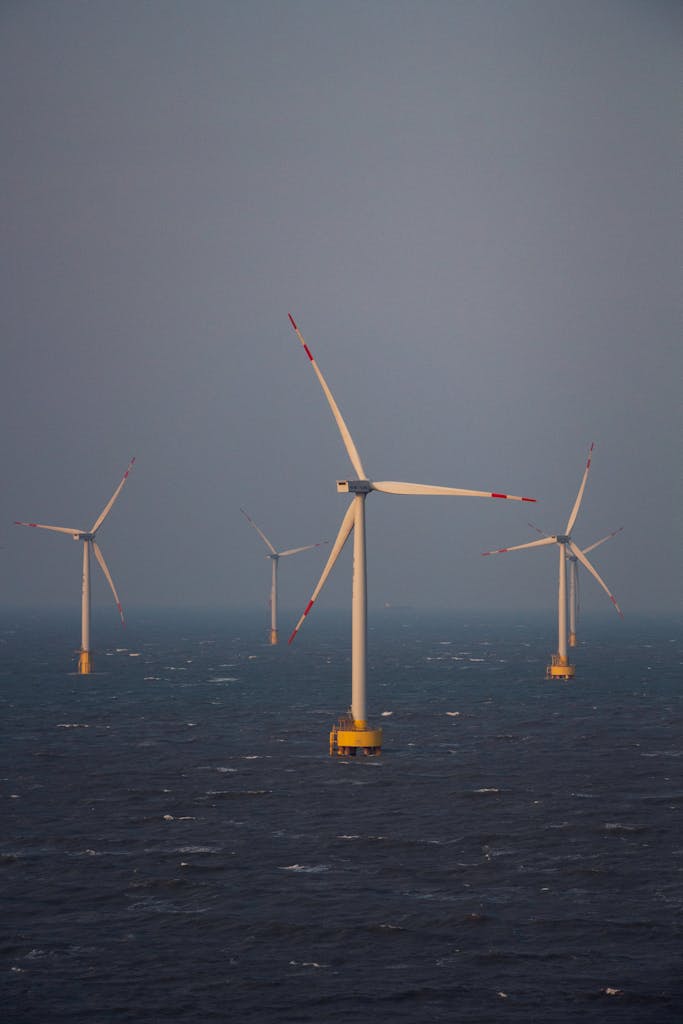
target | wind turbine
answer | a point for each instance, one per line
(353, 732)
(85, 661)
(573, 580)
(275, 556)
(559, 667)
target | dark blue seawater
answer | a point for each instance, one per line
(177, 845)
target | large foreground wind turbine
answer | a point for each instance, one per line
(559, 667)
(85, 661)
(353, 731)
(275, 556)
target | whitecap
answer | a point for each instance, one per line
(306, 869)
(73, 725)
(386, 714)
(223, 679)
(453, 714)
(198, 849)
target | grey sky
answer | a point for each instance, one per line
(471, 209)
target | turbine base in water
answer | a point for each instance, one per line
(273, 637)
(349, 736)
(559, 668)
(85, 663)
(572, 639)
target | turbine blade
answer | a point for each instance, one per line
(542, 532)
(343, 429)
(259, 531)
(579, 496)
(103, 565)
(108, 507)
(295, 551)
(597, 544)
(55, 529)
(584, 561)
(397, 487)
(344, 530)
(519, 547)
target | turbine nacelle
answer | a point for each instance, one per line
(354, 487)
(563, 538)
(84, 536)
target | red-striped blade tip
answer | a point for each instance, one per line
(494, 495)
(292, 321)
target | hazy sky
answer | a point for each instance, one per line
(473, 211)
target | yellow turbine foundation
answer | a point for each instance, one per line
(85, 663)
(572, 639)
(559, 668)
(273, 636)
(349, 736)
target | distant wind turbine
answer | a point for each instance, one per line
(559, 667)
(275, 556)
(352, 732)
(573, 580)
(85, 661)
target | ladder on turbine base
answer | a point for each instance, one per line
(348, 736)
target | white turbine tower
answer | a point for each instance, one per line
(275, 556)
(559, 667)
(573, 580)
(353, 731)
(85, 661)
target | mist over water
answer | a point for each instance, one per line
(178, 845)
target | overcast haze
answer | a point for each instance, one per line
(472, 211)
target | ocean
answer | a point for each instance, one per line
(178, 845)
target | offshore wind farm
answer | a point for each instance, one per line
(468, 207)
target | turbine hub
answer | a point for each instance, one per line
(354, 486)
(84, 536)
(563, 538)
